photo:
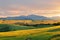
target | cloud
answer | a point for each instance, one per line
(27, 7)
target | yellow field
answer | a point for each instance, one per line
(29, 21)
(30, 31)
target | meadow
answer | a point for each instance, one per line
(24, 32)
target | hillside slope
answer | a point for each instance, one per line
(26, 32)
(35, 34)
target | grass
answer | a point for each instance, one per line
(54, 30)
(3, 27)
(34, 34)
(40, 36)
(43, 26)
(13, 27)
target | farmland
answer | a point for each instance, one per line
(23, 32)
(29, 21)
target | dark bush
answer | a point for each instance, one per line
(56, 24)
(4, 28)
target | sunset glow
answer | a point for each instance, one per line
(46, 8)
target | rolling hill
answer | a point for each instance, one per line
(35, 34)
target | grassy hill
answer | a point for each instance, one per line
(9, 27)
(34, 34)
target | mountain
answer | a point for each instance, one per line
(36, 17)
(29, 17)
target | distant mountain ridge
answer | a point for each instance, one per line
(29, 17)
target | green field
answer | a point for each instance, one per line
(18, 32)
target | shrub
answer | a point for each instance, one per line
(56, 24)
(4, 28)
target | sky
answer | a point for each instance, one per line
(12, 8)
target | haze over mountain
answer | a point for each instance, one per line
(29, 17)
(56, 18)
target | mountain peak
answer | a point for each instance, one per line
(29, 17)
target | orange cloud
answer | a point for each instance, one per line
(16, 10)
